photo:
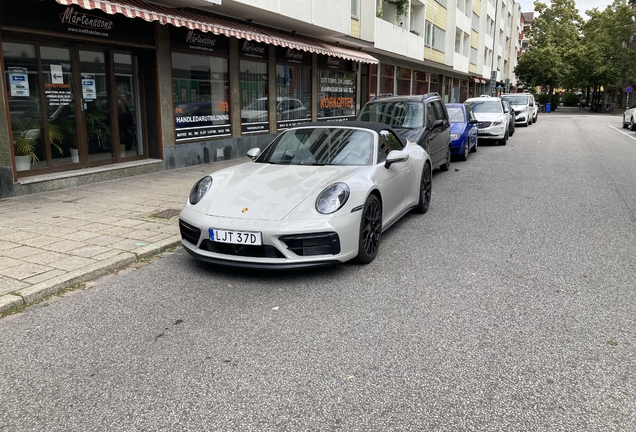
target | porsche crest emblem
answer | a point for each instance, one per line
(244, 210)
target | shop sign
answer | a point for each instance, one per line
(290, 55)
(328, 62)
(248, 128)
(336, 119)
(198, 133)
(253, 50)
(182, 38)
(58, 94)
(19, 82)
(73, 20)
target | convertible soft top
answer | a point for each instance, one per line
(374, 126)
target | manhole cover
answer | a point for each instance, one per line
(166, 214)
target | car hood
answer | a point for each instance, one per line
(491, 117)
(457, 128)
(270, 192)
(412, 135)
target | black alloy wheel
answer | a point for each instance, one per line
(464, 156)
(425, 190)
(446, 165)
(370, 230)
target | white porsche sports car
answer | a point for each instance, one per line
(319, 194)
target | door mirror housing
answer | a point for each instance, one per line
(396, 156)
(253, 153)
(437, 123)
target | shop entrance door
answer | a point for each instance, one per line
(92, 104)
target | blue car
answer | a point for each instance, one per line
(463, 130)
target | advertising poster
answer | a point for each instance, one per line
(89, 91)
(57, 77)
(19, 82)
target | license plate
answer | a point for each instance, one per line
(235, 237)
(481, 132)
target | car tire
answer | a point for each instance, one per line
(528, 122)
(632, 126)
(536, 119)
(625, 125)
(464, 156)
(425, 190)
(504, 140)
(446, 165)
(474, 149)
(370, 230)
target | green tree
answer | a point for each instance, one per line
(554, 42)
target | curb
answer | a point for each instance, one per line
(34, 293)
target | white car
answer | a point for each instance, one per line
(286, 109)
(492, 118)
(628, 117)
(523, 106)
(318, 195)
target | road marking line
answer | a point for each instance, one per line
(624, 133)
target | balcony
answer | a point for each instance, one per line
(398, 40)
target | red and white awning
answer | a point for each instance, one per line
(193, 21)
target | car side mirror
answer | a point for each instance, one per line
(396, 156)
(253, 153)
(437, 123)
(473, 121)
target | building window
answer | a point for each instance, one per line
(201, 96)
(473, 56)
(337, 89)
(442, 2)
(439, 38)
(403, 81)
(387, 76)
(420, 82)
(355, 7)
(293, 87)
(254, 102)
(475, 22)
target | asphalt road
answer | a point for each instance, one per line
(509, 306)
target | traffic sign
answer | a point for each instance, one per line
(628, 89)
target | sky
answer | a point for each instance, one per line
(582, 5)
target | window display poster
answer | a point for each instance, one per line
(89, 92)
(57, 77)
(194, 90)
(19, 82)
(183, 86)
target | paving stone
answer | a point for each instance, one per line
(44, 276)
(8, 285)
(8, 262)
(103, 240)
(24, 270)
(45, 257)
(72, 263)
(23, 251)
(64, 246)
(7, 245)
(41, 240)
(89, 251)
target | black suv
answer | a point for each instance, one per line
(422, 119)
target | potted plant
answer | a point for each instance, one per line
(27, 140)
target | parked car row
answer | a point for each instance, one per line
(323, 193)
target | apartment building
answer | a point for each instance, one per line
(99, 89)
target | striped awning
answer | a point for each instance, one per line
(193, 21)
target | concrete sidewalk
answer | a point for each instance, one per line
(54, 240)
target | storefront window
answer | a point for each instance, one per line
(435, 79)
(201, 95)
(128, 105)
(21, 76)
(337, 90)
(373, 81)
(463, 90)
(254, 100)
(387, 76)
(293, 87)
(59, 104)
(420, 82)
(403, 81)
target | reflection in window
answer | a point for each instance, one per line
(24, 106)
(336, 94)
(201, 95)
(254, 95)
(293, 90)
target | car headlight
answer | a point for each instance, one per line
(454, 137)
(199, 189)
(524, 109)
(332, 198)
(497, 123)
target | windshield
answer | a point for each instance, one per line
(456, 114)
(485, 106)
(516, 100)
(257, 105)
(320, 146)
(397, 114)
